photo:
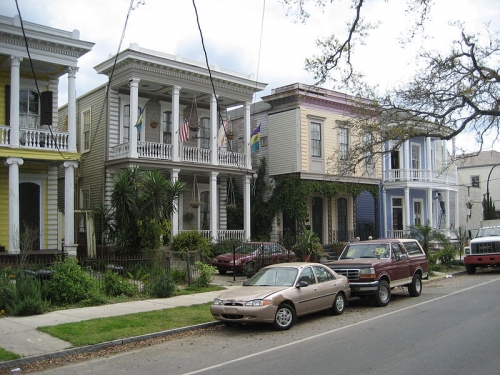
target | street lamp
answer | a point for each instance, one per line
(488, 193)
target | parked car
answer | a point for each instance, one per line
(249, 257)
(279, 293)
(375, 267)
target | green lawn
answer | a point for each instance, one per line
(5, 355)
(100, 330)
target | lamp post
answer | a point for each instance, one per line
(488, 193)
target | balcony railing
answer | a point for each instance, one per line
(162, 151)
(222, 234)
(396, 233)
(423, 175)
(39, 139)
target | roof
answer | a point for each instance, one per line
(484, 158)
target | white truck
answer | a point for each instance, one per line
(484, 248)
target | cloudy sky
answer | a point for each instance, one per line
(248, 36)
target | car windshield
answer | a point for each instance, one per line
(273, 277)
(247, 248)
(366, 251)
(488, 232)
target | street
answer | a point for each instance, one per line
(452, 328)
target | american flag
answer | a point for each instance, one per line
(184, 131)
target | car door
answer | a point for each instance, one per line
(307, 296)
(400, 268)
(327, 285)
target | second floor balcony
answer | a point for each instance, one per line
(420, 175)
(36, 139)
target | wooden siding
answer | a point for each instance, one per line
(284, 141)
(51, 225)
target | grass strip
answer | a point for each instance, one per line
(5, 355)
(95, 331)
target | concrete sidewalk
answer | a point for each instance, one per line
(20, 335)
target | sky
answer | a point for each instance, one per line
(250, 36)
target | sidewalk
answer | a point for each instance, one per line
(20, 335)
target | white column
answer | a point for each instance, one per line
(15, 63)
(246, 208)
(246, 136)
(384, 210)
(14, 227)
(447, 208)
(72, 109)
(69, 207)
(175, 122)
(428, 164)
(174, 177)
(429, 208)
(407, 156)
(213, 131)
(213, 205)
(407, 208)
(134, 102)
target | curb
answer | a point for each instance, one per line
(94, 348)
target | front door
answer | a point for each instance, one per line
(29, 216)
(317, 217)
(342, 220)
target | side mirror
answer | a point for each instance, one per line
(402, 256)
(301, 284)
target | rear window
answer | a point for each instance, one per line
(413, 248)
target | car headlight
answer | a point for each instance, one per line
(367, 273)
(467, 250)
(259, 302)
(236, 262)
(217, 301)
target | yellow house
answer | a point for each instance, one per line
(32, 147)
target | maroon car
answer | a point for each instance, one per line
(249, 257)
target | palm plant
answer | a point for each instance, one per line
(425, 234)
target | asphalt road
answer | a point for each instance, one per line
(452, 328)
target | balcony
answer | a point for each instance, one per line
(420, 175)
(36, 139)
(161, 151)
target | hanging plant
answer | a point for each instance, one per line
(195, 202)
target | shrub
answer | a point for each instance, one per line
(206, 272)
(225, 246)
(70, 284)
(191, 241)
(447, 255)
(27, 297)
(161, 285)
(178, 276)
(114, 285)
(7, 288)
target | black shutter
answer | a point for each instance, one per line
(7, 105)
(46, 104)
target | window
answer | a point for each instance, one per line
(474, 181)
(85, 199)
(126, 123)
(86, 123)
(205, 133)
(417, 212)
(167, 127)
(343, 143)
(307, 276)
(263, 141)
(322, 274)
(315, 139)
(413, 248)
(368, 141)
(29, 109)
(205, 210)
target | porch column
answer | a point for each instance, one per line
(407, 208)
(246, 207)
(429, 156)
(407, 156)
(246, 137)
(15, 63)
(134, 102)
(72, 108)
(69, 208)
(175, 122)
(429, 208)
(213, 206)
(14, 227)
(447, 207)
(384, 211)
(174, 177)
(213, 130)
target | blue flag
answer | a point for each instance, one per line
(255, 140)
(140, 119)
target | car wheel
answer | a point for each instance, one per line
(285, 317)
(470, 268)
(383, 294)
(339, 304)
(222, 272)
(415, 288)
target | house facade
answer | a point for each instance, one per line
(302, 128)
(183, 104)
(32, 145)
(419, 186)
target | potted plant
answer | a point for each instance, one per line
(230, 135)
(308, 246)
(188, 217)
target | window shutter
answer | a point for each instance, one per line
(7, 105)
(46, 110)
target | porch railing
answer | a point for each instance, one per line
(195, 154)
(39, 139)
(154, 150)
(426, 175)
(223, 234)
(396, 233)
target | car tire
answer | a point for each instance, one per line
(470, 268)
(383, 295)
(339, 304)
(415, 288)
(222, 272)
(285, 317)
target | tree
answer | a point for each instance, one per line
(488, 209)
(451, 92)
(425, 234)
